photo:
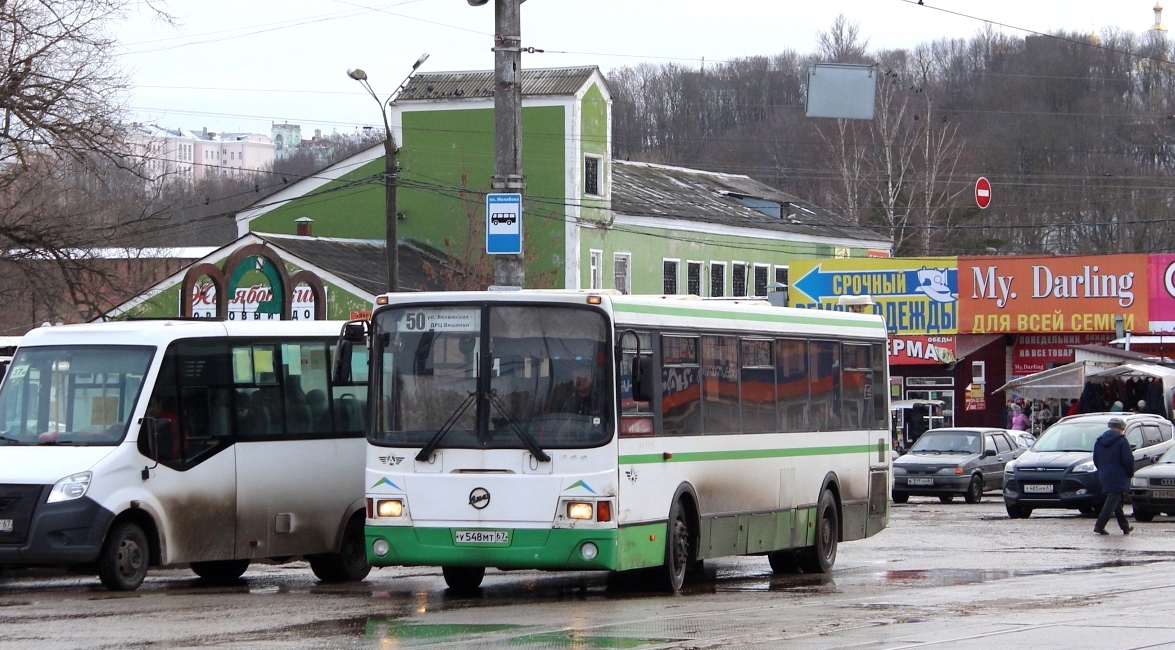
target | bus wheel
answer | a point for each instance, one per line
(821, 557)
(122, 564)
(678, 549)
(350, 563)
(464, 579)
(222, 571)
(784, 562)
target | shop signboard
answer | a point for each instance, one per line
(921, 350)
(245, 305)
(1044, 295)
(915, 296)
(1162, 292)
(1033, 353)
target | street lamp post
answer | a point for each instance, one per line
(390, 179)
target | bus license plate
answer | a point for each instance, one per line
(1038, 488)
(482, 537)
(1157, 494)
(5, 525)
(919, 481)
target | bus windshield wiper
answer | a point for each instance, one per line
(435, 441)
(531, 444)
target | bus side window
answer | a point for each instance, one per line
(720, 384)
(349, 400)
(791, 376)
(636, 418)
(757, 387)
(681, 387)
(304, 388)
(825, 375)
(880, 385)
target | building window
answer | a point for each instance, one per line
(781, 278)
(591, 176)
(761, 280)
(717, 279)
(596, 272)
(693, 278)
(738, 279)
(669, 277)
(621, 278)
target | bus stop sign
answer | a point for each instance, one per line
(504, 224)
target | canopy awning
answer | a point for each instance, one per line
(900, 404)
(1134, 370)
(1065, 381)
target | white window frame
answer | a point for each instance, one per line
(746, 285)
(599, 175)
(627, 288)
(767, 285)
(775, 272)
(701, 277)
(676, 274)
(710, 279)
(595, 268)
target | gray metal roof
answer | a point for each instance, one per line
(649, 190)
(362, 262)
(480, 83)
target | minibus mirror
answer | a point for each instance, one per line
(341, 372)
(150, 430)
(355, 331)
(642, 379)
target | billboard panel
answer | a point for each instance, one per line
(1162, 293)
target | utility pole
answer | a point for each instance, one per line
(508, 269)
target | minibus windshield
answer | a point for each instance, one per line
(71, 395)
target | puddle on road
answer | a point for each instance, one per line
(400, 633)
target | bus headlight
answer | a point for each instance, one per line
(579, 510)
(389, 508)
(70, 488)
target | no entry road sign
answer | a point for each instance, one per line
(982, 193)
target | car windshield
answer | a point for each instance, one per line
(544, 381)
(1070, 436)
(1168, 457)
(947, 442)
(71, 395)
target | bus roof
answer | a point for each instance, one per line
(745, 314)
(162, 332)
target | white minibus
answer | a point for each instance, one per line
(125, 445)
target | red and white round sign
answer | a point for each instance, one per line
(982, 193)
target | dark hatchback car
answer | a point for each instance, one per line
(1058, 471)
(949, 462)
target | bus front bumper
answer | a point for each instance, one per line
(70, 532)
(565, 549)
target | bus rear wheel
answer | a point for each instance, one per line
(463, 579)
(350, 563)
(122, 564)
(222, 571)
(820, 557)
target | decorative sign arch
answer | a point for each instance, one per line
(225, 284)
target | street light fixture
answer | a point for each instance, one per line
(391, 238)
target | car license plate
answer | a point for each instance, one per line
(5, 525)
(482, 537)
(1157, 494)
(1038, 488)
(919, 481)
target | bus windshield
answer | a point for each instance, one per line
(71, 395)
(545, 379)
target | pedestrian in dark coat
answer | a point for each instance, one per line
(1115, 465)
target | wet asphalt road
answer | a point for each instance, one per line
(942, 575)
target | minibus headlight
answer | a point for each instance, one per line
(579, 510)
(389, 508)
(70, 488)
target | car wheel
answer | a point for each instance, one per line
(122, 565)
(222, 571)
(821, 557)
(463, 579)
(1018, 512)
(974, 492)
(1143, 515)
(900, 497)
(946, 498)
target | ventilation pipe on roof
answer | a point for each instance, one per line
(304, 226)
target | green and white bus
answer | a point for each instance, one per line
(587, 431)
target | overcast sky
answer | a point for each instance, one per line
(238, 65)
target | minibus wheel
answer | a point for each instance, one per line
(122, 564)
(463, 579)
(221, 571)
(350, 563)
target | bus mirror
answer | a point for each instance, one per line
(642, 379)
(341, 372)
(354, 331)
